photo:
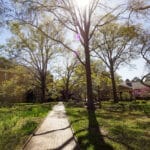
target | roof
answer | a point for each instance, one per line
(124, 85)
(137, 85)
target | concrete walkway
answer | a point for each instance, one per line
(54, 133)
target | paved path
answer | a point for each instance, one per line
(54, 133)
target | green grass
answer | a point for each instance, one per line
(123, 126)
(18, 121)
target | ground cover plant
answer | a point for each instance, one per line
(18, 121)
(123, 126)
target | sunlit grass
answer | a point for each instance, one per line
(18, 121)
(124, 126)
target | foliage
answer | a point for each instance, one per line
(73, 76)
(34, 50)
(126, 96)
(144, 39)
(5, 63)
(16, 83)
(139, 7)
(73, 18)
(114, 45)
(100, 79)
(65, 74)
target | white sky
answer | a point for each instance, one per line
(125, 71)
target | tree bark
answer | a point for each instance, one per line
(99, 96)
(43, 89)
(115, 97)
(90, 102)
(67, 90)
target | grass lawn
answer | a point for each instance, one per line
(18, 121)
(123, 126)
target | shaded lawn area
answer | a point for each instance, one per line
(18, 121)
(124, 126)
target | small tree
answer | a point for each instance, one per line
(65, 74)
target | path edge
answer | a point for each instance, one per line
(72, 130)
(34, 131)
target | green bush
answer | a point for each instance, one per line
(126, 96)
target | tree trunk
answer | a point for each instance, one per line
(115, 97)
(90, 102)
(99, 95)
(121, 96)
(43, 89)
(67, 91)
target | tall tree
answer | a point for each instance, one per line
(80, 23)
(114, 45)
(77, 17)
(34, 50)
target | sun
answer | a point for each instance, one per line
(82, 3)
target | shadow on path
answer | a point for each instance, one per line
(47, 132)
(66, 143)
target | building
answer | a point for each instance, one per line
(140, 91)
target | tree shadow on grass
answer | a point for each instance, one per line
(131, 138)
(89, 135)
(95, 136)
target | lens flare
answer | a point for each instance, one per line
(82, 3)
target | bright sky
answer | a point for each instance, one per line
(125, 71)
(137, 70)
